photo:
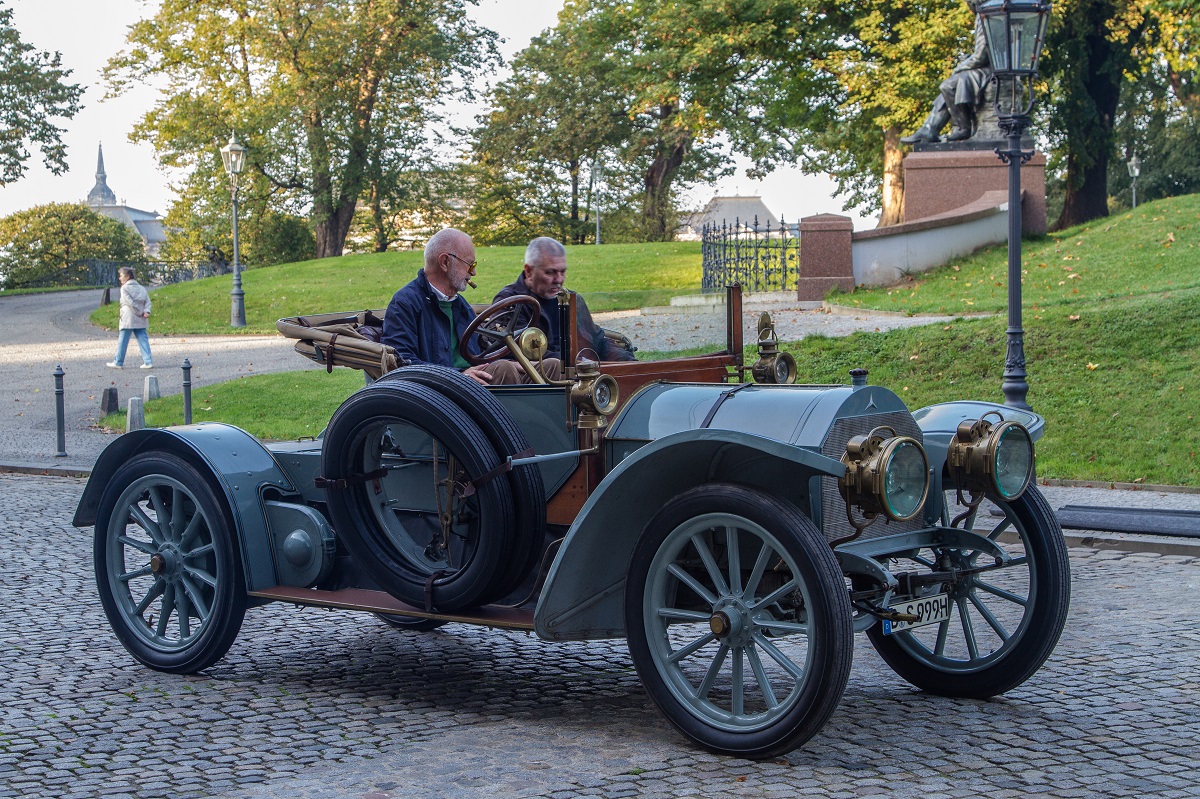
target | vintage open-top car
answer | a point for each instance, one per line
(736, 533)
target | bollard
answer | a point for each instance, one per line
(109, 401)
(150, 388)
(187, 391)
(60, 412)
(106, 299)
(136, 418)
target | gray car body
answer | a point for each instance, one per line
(666, 439)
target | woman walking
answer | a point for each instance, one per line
(135, 311)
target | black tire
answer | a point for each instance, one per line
(391, 525)
(174, 594)
(412, 624)
(529, 493)
(1026, 607)
(792, 653)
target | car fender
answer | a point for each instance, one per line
(584, 592)
(241, 468)
(939, 422)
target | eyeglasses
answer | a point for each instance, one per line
(469, 264)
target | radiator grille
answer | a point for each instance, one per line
(835, 524)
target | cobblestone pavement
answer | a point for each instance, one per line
(315, 704)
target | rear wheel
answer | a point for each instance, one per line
(738, 620)
(167, 570)
(1005, 619)
(409, 496)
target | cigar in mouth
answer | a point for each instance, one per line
(471, 283)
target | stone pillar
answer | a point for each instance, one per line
(942, 177)
(826, 259)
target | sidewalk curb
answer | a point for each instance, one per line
(1115, 486)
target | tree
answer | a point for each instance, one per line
(559, 113)
(1158, 116)
(41, 246)
(309, 86)
(857, 75)
(33, 93)
(651, 84)
(1090, 48)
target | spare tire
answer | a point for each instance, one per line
(509, 440)
(398, 460)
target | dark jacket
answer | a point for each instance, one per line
(415, 325)
(589, 335)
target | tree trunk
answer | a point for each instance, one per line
(1086, 197)
(377, 220)
(893, 179)
(1090, 61)
(656, 205)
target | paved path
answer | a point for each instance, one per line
(315, 704)
(41, 331)
(680, 327)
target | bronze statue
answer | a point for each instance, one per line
(961, 94)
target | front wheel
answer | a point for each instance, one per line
(166, 566)
(738, 620)
(1005, 618)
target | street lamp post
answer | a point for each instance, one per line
(596, 172)
(1135, 169)
(1015, 31)
(234, 156)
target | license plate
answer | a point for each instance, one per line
(928, 610)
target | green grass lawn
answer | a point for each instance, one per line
(1113, 353)
(612, 276)
(1152, 248)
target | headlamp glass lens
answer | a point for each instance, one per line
(1014, 462)
(905, 480)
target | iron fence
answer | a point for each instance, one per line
(98, 272)
(759, 258)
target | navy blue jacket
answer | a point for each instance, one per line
(589, 335)
(415, 325)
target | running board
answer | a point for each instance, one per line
(507, 618)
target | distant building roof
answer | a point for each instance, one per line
(745, 212)
(103, 200)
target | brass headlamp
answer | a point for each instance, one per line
(886, 475)
(987, 457)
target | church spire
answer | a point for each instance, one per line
(101, 194)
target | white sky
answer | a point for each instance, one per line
(88, 32)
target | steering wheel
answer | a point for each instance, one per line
(499, 325)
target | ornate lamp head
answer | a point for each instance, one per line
(1015, 31)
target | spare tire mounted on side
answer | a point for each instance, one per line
(403, 466)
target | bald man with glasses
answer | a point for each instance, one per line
(425, 319)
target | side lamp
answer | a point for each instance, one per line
(772, 366)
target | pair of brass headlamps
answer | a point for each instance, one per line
(888, 474)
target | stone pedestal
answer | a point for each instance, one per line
(826, 259)
(943, 177)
